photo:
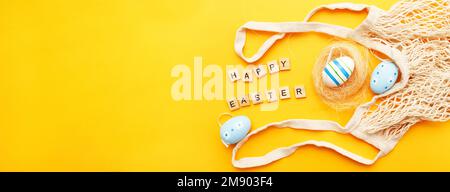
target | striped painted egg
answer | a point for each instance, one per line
(338, 71)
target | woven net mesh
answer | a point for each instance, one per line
(420, 29)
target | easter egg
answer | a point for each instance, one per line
(235, 129)
(338, 71)
(383, 77)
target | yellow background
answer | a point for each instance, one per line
(85, 86)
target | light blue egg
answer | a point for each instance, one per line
(235, 129)
(383, 77)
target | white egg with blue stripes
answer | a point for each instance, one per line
(338, 71)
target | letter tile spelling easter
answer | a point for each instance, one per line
(383, 77)
(235, 129)
(338, 71)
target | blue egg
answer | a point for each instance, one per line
(235, 129)
(383, 77)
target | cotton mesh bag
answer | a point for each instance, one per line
(414, 35)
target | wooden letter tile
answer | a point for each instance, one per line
(273, 67)
(260, 71)
(233, 104)
(284, 93)
(285, 64)
(300, 92)
(256, 98)
(271, 96)
(247, 75)
(233, 75)
(244, 101)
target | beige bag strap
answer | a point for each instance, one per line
(315, 125)
(318, 125)
(346, 6)
(291, 27)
